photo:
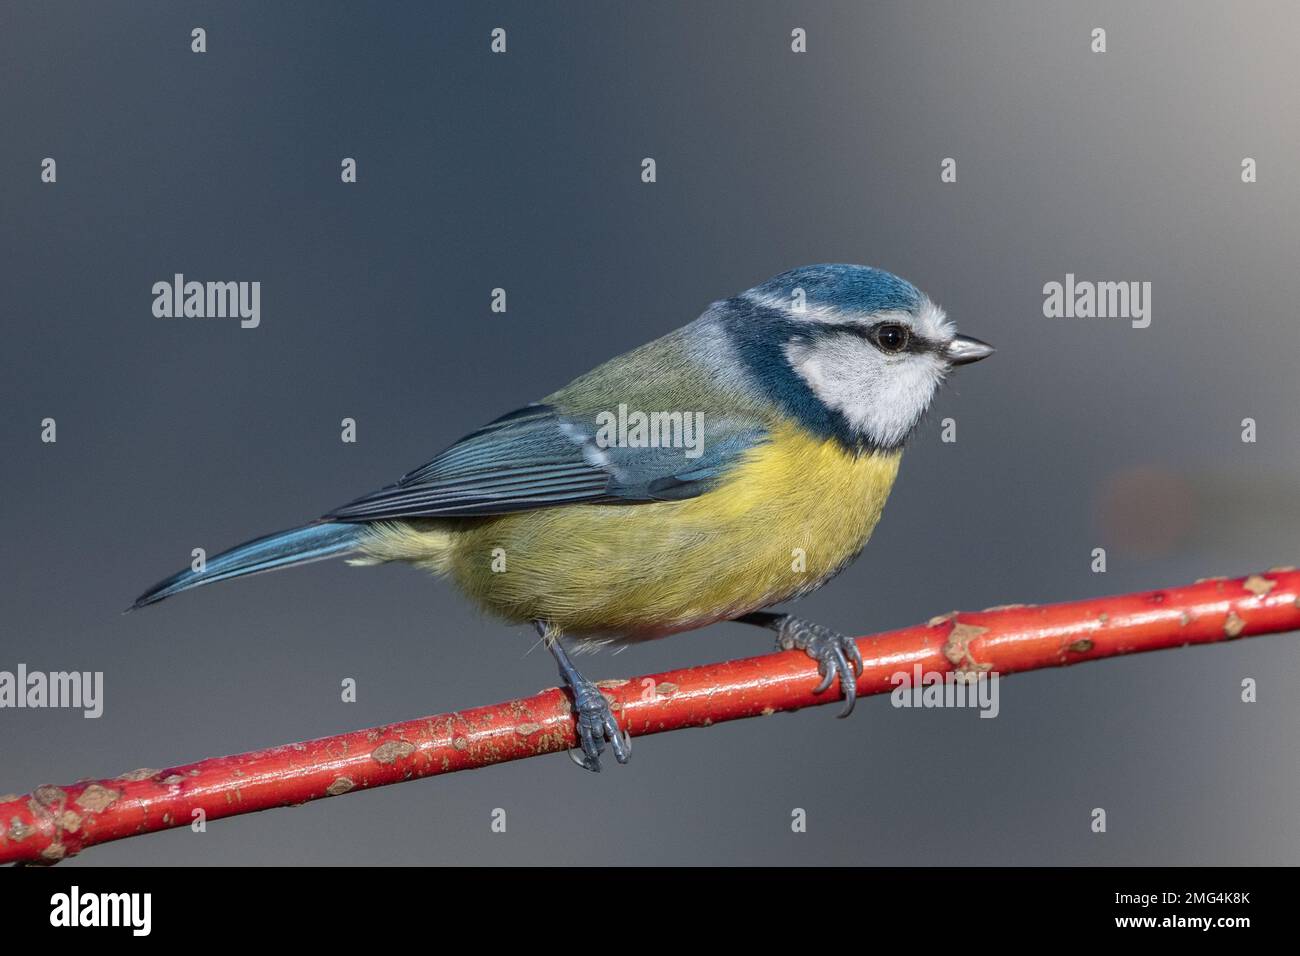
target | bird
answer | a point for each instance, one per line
(729, 466)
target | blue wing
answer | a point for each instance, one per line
(539, 457)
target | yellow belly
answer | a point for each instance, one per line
(787, 518)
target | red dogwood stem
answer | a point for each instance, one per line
(54, 822)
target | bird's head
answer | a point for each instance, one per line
(849, 350)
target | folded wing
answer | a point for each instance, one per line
(539, 457)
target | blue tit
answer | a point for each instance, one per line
(733, 464)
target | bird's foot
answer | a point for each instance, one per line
(596, 723)
(836, 656)
(596, 727)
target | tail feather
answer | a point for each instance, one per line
(313, 542)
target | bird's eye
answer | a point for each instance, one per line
(891, 338)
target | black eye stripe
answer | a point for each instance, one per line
(916, 344)
(880, 333)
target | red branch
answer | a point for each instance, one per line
(53, 822)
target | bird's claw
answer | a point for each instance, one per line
(596, 727)
(837, 656)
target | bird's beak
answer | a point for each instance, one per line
(963, 350)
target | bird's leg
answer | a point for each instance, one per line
(596, 723)
(835, 654)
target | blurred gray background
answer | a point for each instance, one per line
(522, 171)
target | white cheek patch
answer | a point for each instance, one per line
(881, 396)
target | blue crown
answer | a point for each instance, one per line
(855, 288)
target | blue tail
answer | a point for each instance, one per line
(313, 542)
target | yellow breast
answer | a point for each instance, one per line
(790, 516)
